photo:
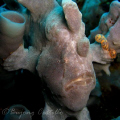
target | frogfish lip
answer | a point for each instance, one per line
(80, 81)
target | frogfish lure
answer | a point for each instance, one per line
(105, 45)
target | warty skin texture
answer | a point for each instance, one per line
(61, 54)
(60, 58)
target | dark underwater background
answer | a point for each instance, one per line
(25, 87)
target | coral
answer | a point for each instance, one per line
(12, 26)
(2, 9)
(118, 118)
(61, 54)
(109, 27)
(92, 12)
(18, 111)
(60, 1)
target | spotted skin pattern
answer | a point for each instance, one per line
(105, 45)
(112, 53)
(99, 38)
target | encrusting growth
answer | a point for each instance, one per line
(105, 45)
